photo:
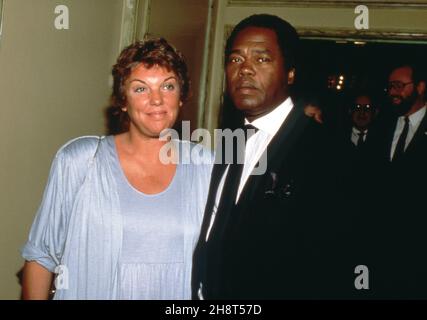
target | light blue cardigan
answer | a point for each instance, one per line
(79, 222)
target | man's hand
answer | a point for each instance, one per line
(313, 111)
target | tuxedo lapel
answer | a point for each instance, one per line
(217, 174)
(387, 134)
(419, 136)
(277, 151)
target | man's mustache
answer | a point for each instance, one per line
(396, 98)
(246, 83)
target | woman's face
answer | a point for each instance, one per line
(153, 99)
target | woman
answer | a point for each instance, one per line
(117, 221)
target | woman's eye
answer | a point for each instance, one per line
(169, 86)
(139, 89)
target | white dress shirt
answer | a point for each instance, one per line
(414, 122)
(267, 126)
(355, 135)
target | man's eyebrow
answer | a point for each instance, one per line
(261, 51)
(255, 50)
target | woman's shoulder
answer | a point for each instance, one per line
(80, 148)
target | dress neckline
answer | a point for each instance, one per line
(116, 160)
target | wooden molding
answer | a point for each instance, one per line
(129, 20)
(1, 17)
(354, 35)
(363, 35)
(397, 4)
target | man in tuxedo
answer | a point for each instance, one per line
(362, 113)
(271, 235)
(407, 90)
(401, 215)
(356, 144)
(359, 191)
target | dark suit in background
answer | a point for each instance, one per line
(400, 234)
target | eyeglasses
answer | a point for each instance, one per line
(362, 107)
(397, 85)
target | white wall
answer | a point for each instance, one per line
(53, 87)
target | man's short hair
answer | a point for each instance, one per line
(418, 70)
(287, 36)
(370, 93)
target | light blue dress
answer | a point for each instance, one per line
(110, 240)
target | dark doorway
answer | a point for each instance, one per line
(361, 66)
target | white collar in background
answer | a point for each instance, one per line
(416, 117)
(357, 131)
(272, 121)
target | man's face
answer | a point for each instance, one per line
(363, 112)
(256, 77)
(402, 98)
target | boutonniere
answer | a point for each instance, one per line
(273, 189)
(271, 184)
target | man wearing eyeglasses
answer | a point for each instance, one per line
(362, 112)
(406, 90)
(401, 218)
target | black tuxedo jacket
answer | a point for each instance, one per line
(357, 162)
(283, 239)
(415, 153)
(400, 235)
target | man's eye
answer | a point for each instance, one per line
(235, 59)
(139, 89)
(264, 59)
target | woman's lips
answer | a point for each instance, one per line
(157, 114)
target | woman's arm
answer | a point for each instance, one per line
(36, 282)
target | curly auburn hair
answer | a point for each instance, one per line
(150, 52)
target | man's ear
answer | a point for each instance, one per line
(291, 76)
(180, 103)
(124, 109)
(421, 88)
